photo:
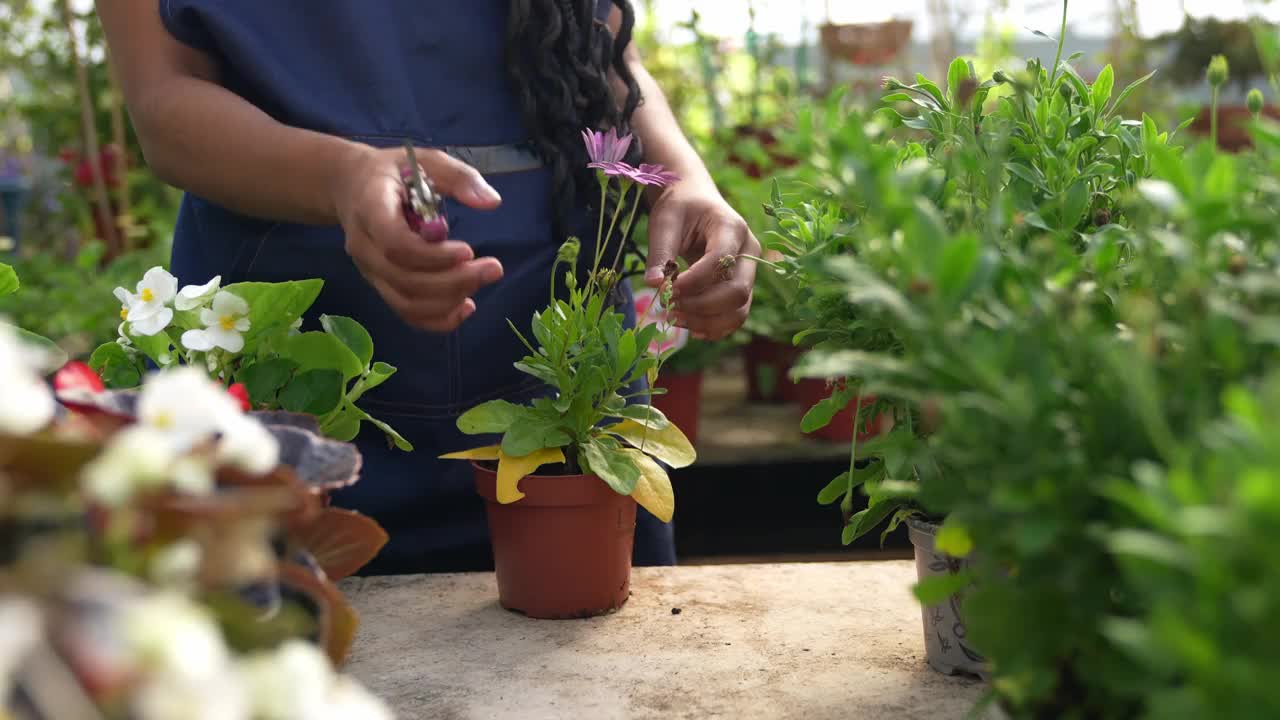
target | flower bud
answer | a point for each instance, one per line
(891, 83)
(1218, 71)
(1255, 101)
(569, 250)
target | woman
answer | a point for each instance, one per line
(283, 122)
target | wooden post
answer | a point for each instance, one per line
(90, 131)
(119, 138)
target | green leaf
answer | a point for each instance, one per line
(835, 489)
(340, 428)
(396, 438)
(534, 432)
(264, 379)
(864, 521)
(378, 374)
(956, 75)
(495, 416)
(274, 306)
(1102, 88)
(1031, 175)
(954, 540)
(1075, 203)
(611, 465)
(1124, 94)
(158, 347)
(321, 351)
(55, 355)
(646, 415)
(939, 588)
(821, 414)
(315, 392)
(117, 369)
(352, 334)
(956, 264)
(8, 280)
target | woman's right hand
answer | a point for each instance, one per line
(428, 284)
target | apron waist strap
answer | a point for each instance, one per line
(496, 159)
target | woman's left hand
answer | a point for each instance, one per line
(692, 220)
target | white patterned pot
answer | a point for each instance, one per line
(945, 636)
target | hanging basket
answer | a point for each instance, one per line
(867, 43)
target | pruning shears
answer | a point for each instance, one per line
(423, 206)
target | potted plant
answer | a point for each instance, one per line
(126, 553)
(561, 487)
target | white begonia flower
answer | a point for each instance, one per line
(296, 682)
(168, 698)
(136, 460)
(248, 445)
(168, 634)
(225, 322)
(126, 299)
(194, 296)
(149, 313)
(185, 406)
(28, 404)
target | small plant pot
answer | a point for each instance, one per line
(682, 403)
(810, 392)
(562, 551)
(767, 364)
(1233, 125)
(945, 636)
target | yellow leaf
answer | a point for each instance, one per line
(492, 452)
(511, 470)
(653, 490)
(668, 445)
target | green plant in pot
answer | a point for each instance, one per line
(247, 336)
(680, 382)
(561, 487)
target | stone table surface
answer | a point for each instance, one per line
(810, 640)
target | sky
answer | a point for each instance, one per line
(728, 18)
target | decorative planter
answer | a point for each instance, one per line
(946, 646)
(682, 403)
(866, 43)
(810, 392)
(768, 366)
(562, 551)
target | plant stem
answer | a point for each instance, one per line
(1062, 39)
(762, 261)
(853, 447)
(1213, 118)
(626, 232)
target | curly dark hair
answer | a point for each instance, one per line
(559, 57)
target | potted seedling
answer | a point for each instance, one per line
(562, 485)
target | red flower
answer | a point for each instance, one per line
(241, 393)
(76, 375)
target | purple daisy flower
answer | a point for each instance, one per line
(606, 149)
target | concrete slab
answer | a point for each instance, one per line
(812, 641)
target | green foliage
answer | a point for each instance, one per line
(322, 373)
(1074, 322)
(68, 301)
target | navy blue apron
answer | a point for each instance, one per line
(379, 71)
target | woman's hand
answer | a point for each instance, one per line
(428, 284)
(691, 220)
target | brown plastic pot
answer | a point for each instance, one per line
(563, 550)
(810, 392)
(682, 403)
(767, 364)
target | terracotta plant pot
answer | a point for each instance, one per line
(945, 636)
(563, 550)
(682, 403)
(768, 366)
(809, 392)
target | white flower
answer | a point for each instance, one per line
(185, 406)
(296, 682)
(224, 324)
(167, 698)
(167, 634)
(127, 300)
(26, 403)
(248, 445)
(136, 460)
(1161, 194)
(194, 296)
(149, 313)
